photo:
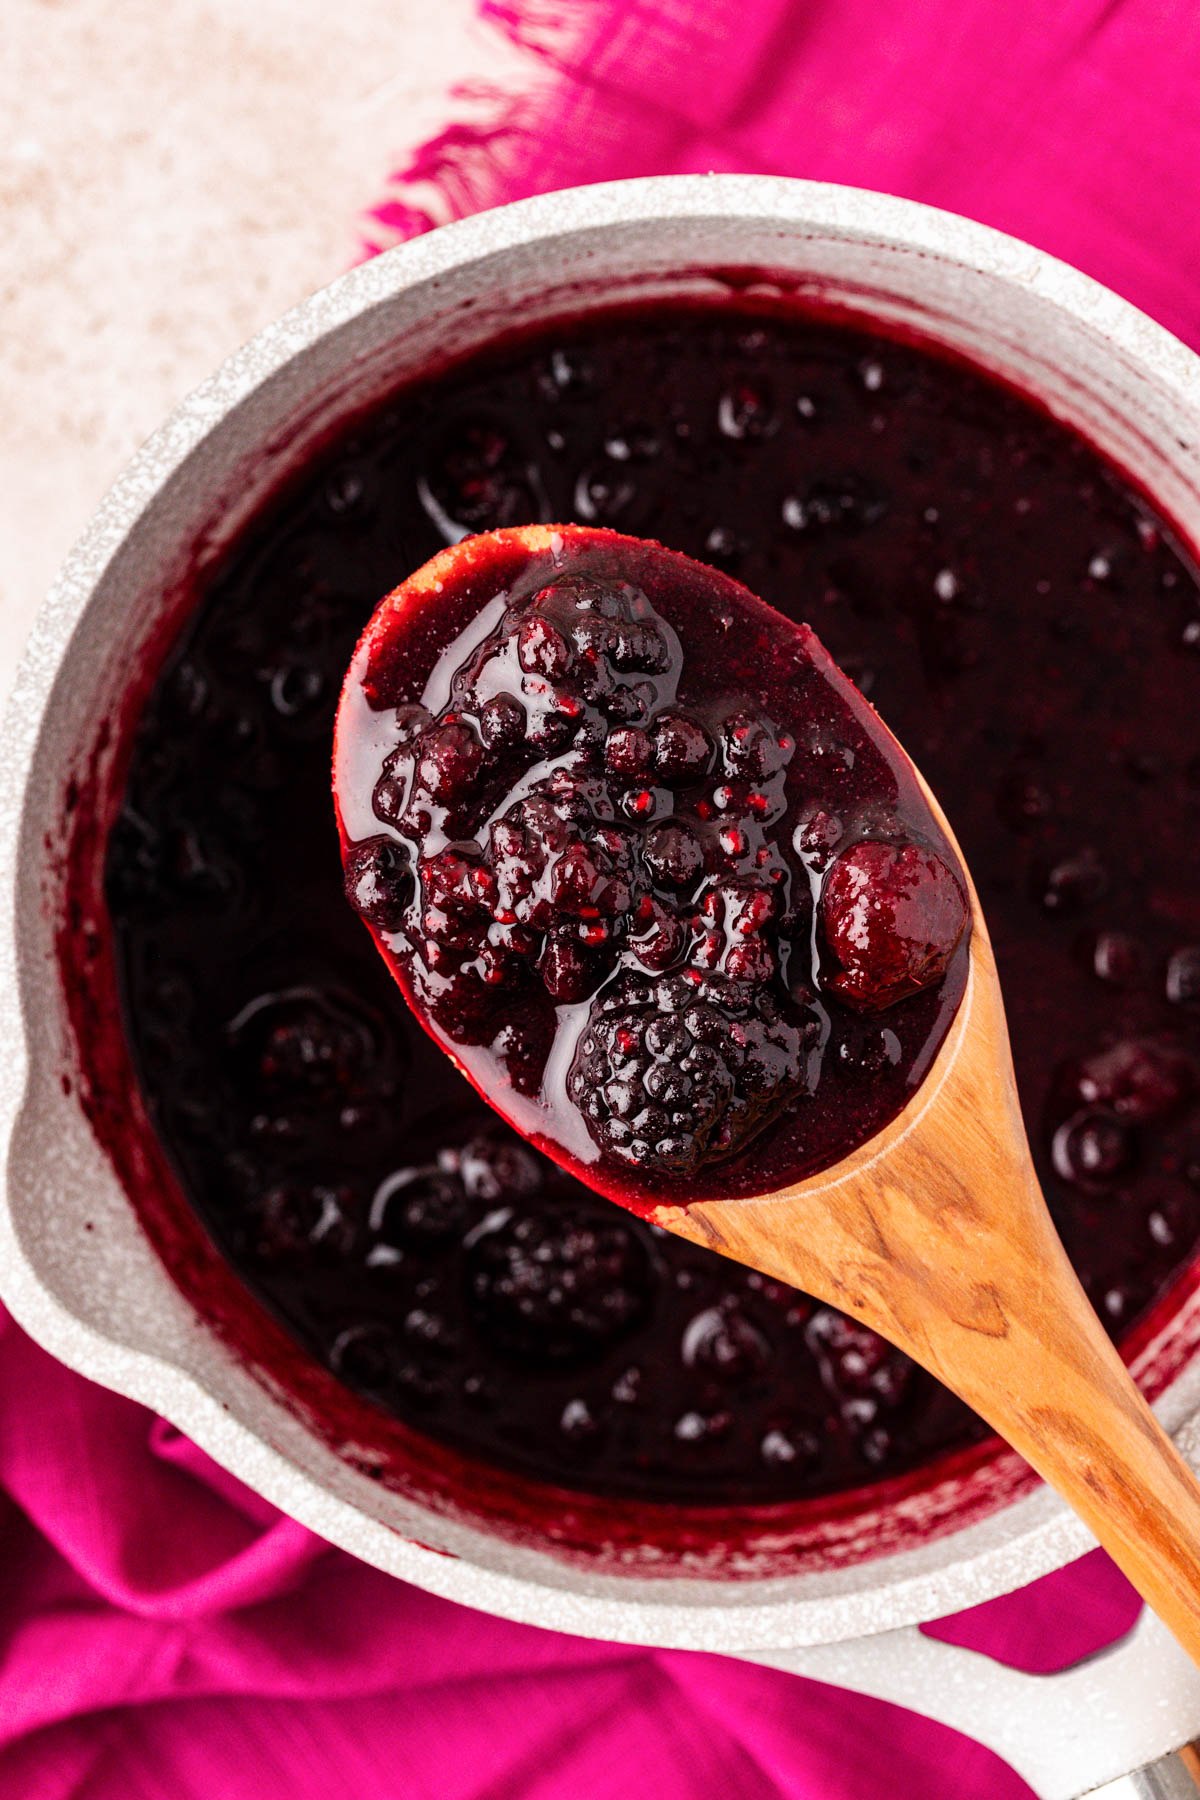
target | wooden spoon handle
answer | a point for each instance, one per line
(935, 1233)
(986, 1299)
(1057, 1389)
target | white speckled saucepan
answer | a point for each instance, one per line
(835, 1597)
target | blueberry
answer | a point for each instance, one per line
(723, 1341)
(496, 1170)
(542, 649)
(475, 478)
(1072, 885)
(856, 1364)
(378, 882)
(299, 1221)
(1138, 1079)
(302, 1045)
(419, 1208)
(673, 854)
(627, 751)
(450, 760)
(1183, 977)
(682, 749)
(566, 971)
(364, 1355)
(1091, 1149)
(502, 722)
(751, 749)
(745, 413)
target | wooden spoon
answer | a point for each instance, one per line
(935, 1233)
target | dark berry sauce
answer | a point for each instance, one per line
(1029, 632)
(640, 856)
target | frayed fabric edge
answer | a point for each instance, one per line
(476, 160)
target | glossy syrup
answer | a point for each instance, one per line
(1024, 626)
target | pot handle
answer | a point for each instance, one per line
(1067, 1734)
(1173, 1777)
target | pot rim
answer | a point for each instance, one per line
(1022, 1540)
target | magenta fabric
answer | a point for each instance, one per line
(165, 1633)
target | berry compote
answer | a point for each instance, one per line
(1029, 631)
(642, 859)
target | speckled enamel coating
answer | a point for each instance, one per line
(97, 1297)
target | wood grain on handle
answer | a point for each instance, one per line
(936, 1234)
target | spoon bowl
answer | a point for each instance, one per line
(929, 1227)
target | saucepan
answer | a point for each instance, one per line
(100, 1259)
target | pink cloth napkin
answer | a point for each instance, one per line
(165, 1633)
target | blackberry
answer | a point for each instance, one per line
(559, 1286)
(675, 1072)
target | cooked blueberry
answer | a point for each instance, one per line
(566, 970)
(856, 1364)
(364, 1354)
(379, 882)
(449, 760)
(476, 478)
(1116, 958)
(496, 1169)
(1091, 1149)
(1139, 1079)
(722, 1340)
(1072, 885)
(744, 413)
(674, 855)
(301, 1044)
(628, 751)
(502, 722)
(601, 496)
(1183, 977)
(751, 748)
(782, 1450)
(682, 749)
(420, 1207)
(298, 1220)
(848, 504)
(541, 648)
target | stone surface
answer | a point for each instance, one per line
(171, 179)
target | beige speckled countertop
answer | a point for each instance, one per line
(173, 174)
